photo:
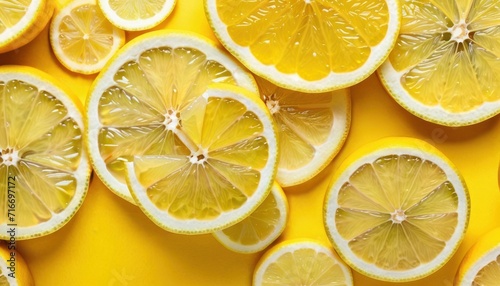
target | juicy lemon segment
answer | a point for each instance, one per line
(312, 129)
(227, 173)
(307, 45)
(82, 39)
(397, 209)
(301, 262)
(444, 67)
(260, 228)
(42, 157)
(136, 103)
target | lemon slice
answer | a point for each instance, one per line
(445, 65)
(13, 268)
(311, 46)
(135, 15)
(43, 167)
(397, 209)
(149, 80)
(82, 39)
(312, 129)
(217, 165)
(259, 229)
(301, 262)
(22, 20)
(481, 264)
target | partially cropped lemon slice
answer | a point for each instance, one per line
(217, 162)
(82, 39)
(144, 86)
(312, 128)
(22, 20)
(311, 46)
(135, 15)
(44, 172)
(301, 262)
(445, 67)
(481, 264)
(397, 209)
(13, 268)
(259, 229)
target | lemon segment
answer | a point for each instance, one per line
(82, 39)
(309, 46)
(22, 274)
(216, 184)
(42, 156)
(396, 210)
(135, 102)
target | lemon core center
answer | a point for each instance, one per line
(272, 104)
(172, 120)
(398, 216)
(9, 157)
(199, 157)
(459, 32)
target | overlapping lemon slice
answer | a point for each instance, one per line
(17, 274)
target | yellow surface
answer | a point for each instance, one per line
(111, 242)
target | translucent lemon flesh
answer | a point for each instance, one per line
(489, 274)
(136, 9)
(448, 51)
(41, 146)
(309, 38)
(11, 12)
(397, 212)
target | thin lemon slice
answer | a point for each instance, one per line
(312, 129)
(311, 46)
(217, 164)
(481, 264)
(135, 15)
(13, 268)
(445, 67)
(259, 229)
(397, 209)
(44, 172)
(301, 262)
(22, 20)
(82, 39)
(142, 88)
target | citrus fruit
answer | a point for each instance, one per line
(260, 228)
(310, 46)
(217, 164)
(43, 167)
(481, 264)
(444, 67)
(397, 209)
(82, 39)
(312, 127)
(13, 268)
(149, 80)
(135, 15)
(301, 262)
(22, 20)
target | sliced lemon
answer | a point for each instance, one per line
(22, 20)
(144, 86)
(312, 129)
(82, 39)
(13, 268)
(311, 45)
(445, 67)
(217, 164)
(481, 264)
(397, 209)
(259, 229)
(135, 15)
(44, 172)
(301, 262)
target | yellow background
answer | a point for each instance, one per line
(111, 242)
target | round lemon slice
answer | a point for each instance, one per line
(135, 15)
(259, 229)
(301, 262)
(22, 21)
(397, 209)
(43, 167)
(312, 128)
(149, 80)
(82, 39)
(310, 46)
(13, 268)
(218, 163)
(445, 65)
